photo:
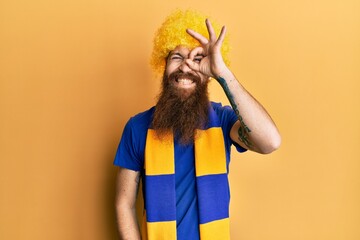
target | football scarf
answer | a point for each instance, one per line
(159, 221)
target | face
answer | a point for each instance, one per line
(183, 103)
(178, 72)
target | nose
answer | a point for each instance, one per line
(184, 67)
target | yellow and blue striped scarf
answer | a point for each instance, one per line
(159, 221)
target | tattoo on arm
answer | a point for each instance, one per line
(244, 130)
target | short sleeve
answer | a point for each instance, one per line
(228, 119)
(127, 156)
(233, 118)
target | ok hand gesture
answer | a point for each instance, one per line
(212, 63)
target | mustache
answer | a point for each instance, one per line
(178, 74)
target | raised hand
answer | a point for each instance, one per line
(211, 63)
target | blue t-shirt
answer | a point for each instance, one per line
(130, 155)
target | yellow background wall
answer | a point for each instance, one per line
(73, 72)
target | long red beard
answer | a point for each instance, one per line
(179, 110)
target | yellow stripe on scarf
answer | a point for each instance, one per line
(210, 156)
(215, 230)
(159, 159)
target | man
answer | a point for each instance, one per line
(181, 147)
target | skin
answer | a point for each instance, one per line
(255, 130)
(127, 184)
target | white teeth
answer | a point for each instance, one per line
(185, 81)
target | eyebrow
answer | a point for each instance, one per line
(175, 53)
(172, 53)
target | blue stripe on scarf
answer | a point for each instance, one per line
(160, 195)
(213, 197)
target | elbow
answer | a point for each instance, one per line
(123, 206)
(119, 207)
(272, 144)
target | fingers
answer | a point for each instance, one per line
(195, 56)
(203, 40)
(212, 35)
(196, 52)
(221, 36)
(192, 65)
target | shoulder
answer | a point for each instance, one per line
(130, 153)
(226, 116)
(137, 126)
(142, 120)
(221, 110)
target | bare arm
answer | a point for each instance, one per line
(126, 190)
(255, 129)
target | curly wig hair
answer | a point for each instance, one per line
(172, 33)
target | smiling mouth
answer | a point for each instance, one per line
(184, 81)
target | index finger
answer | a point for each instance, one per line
(212, 35)
(203, 40)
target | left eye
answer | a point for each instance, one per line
(197, 59)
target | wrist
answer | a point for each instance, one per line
(221, 70)
(225, 77)
(224, 73)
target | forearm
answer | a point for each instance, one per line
(127, 188)
(128, 227)
(256, 131)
